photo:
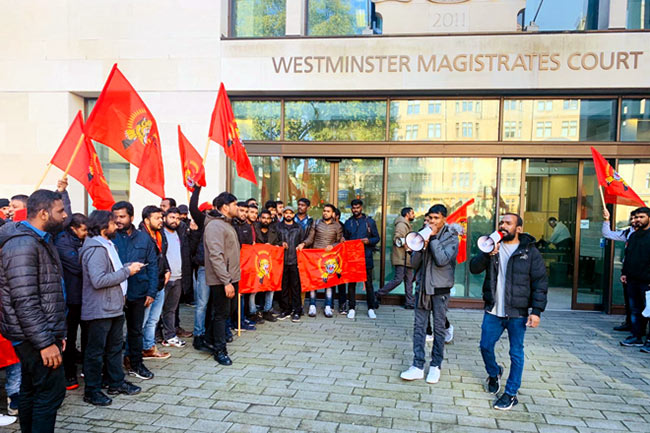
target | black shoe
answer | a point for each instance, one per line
(623, 327)
(71, 383)
(259, 317)
(126, 388)
(199, 343)
(344, 308)
(632, 341)
(229, 339)
(295, 317)
(646, 348)
(284, 315)
(269, 317)
(222, 358)
(141, 372)
(98, 399)
(409, 307)
(506, 402)
(493, 384)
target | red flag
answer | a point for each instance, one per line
(86, 167)
(122, 121)
(223, 130)
(261, 268)
(459, 216)
(319, 269)
(615, 189)
(7, 355)
(191, 162)
(20, 215)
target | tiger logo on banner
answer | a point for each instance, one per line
(330, 265)
(319, 269)
(261, 268)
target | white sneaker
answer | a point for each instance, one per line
(429, 338)
(7, 420)
(371, 314)
(434, 375)
(351, 313)
(449, 334)
(413, 373)
(328, 311)
(312, 311)
(174, 341)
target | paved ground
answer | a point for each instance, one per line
(337, 375)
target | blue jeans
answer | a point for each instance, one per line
(491, 331)
(13, 374)
(201, 296)
(268, 302)
(151, 317)
(328, 297)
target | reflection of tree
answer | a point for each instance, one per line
(331, 18)
(260, 18)
(258, 120)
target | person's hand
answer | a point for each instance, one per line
(230, 290)
(63, 345)
(62, 184)
(328, 248)
(434, 231)
(300, 247)
(495, 251)
(606, 214)
(51, 356)
(285, 245)
(624, 279)
(365, 241)
(135, 267)
(193, 226)
(167, 277)
(533, 321)
(148, 301)
(190, 182)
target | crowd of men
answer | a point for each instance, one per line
(64, 275)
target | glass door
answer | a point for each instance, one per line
(309, 178)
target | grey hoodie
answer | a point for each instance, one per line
(102, 296)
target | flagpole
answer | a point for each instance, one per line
(238, 314)
(74, 155)
(40, 182)
(205, 153)
(602, 197)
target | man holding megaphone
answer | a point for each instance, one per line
(515, 281)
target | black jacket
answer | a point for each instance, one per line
(271, 237)
(244, 231)
(197, 251)
(526, 280)
(293, 235)
(139, 247)
(31, 292)
(636, 266)
(68, 246)
(163, 264)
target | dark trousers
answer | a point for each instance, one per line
(402, 273)
(626, 298)
(341, 293)
(370, 292)
(73, 320)
(220, 307)
(439, 304)
(290, 300)
(134, 322)
(104, 353)
(639, 323)
(173, 291)
(41, 391)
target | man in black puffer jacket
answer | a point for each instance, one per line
(515, 281)
(33, 307)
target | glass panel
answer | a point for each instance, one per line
(258, 18)
(444, 120)
(267, 170)
(337, 17)
(638, 14)
(422, 182)
(635, 119)
(510, 186)
(591, 260)
(559, 120)
(335, 120)
(363, 179)
(557, 15)
(550, 217)
(258, 120)
(309, 178)
(637, 175)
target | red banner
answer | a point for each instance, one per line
(7, 354)
(459, 216)
(191, 162)
(615, 189)
(319, 269)
(261, 268)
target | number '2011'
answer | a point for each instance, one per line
(448, 19)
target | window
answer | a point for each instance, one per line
(635, 119)
(544, 105)
(258, 18)
(569, 128)
(434, 130)
(338, 17)
(468, 129)
(413, 107)
(570, 104)
(638, 14)
(647, 181)
(258, 120)
(543, 129)
(267, 171)
(468, 105)
(434, 107)
(512, 105)
(411, 132)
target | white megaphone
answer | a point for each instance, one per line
(488, 243)
(415, 240)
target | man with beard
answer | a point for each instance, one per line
(265, 233)
(136, 246)
(279, 207)
(180, 269)
(436, 280)
(290, 235)
(152, 224)
(636, 274)
(401, 259)
(33, 307)
(104, 287)
(167, 203)
(222, 271)
(515, 281)
(326, 234)
(364, 228)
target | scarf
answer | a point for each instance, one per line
(115, 259)
(156, 236)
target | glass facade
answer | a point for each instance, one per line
(258, 18)
(638, 14)
(309, 178)
(268, 171)
(337, 17)
(635, 120)
(258, 120)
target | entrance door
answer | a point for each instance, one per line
(309, 178)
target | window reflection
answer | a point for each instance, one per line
(309, 178)
(337, 17)
(635, 120)
(267, 171)
(258, 120)
(638, 14)
(258, 18)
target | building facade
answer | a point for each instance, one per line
(397, 102)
